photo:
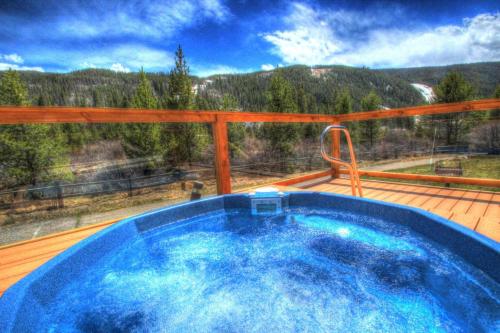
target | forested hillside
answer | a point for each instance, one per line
(483, 76)
(315, 88)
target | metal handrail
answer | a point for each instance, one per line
(352, 166)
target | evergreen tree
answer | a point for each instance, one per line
(454, 88)
(282, 138)
(144, 95)
(495, 114)
(343, 102)
(28, 153)
(186, 140)
(370, 129)
(236, 131)
(143, 140)
(343, 105)
(179, 92)
(280, 95)
(306, 103)
(12, 90)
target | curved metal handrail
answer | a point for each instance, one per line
(351, 166)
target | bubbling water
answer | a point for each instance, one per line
(306, 271)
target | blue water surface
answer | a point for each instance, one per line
(305, 271)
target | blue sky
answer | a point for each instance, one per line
(241, 36)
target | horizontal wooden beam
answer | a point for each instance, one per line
(11, 115)
(479, 105)
(273, 117)
(431, 178)
(45, 115)
(396, 175)
(296, 180)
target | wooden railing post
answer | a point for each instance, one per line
(335, 152)
(222, 165)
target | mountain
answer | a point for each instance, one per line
(483, 76)
(315, 87)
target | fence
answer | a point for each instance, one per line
(57, 191)
(219, 120)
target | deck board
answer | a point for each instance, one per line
(476, 210)
(19, 259)
(493, 209)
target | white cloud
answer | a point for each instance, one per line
(204, 71)
(130, 56)
(14, 58)
(6, 66)
(311, 38)
(151, 19)
(327, 37)
(14, 61)
(87, 65)
(267, 67)
(120, 68)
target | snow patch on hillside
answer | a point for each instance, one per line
(426, 91)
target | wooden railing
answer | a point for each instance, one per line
(219, 120)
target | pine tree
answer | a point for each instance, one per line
(236, 131)
(495, 114)
(144, 95)
(280, 95)
(370, 129)
(343, 102)
(343, 105)
(454, 88)
(179, 93)
(143, 140)
(12, 89)
(306, 103)
(282, 138)
(186, 140)
(28, 153)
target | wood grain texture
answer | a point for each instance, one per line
(222, 166)
(478, 105)
(476, 210)
(54, 114)
(335, 135)
(19, 259)
(301, 179)
(438, 179)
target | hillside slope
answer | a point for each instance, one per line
(315, 88)
(483, 76)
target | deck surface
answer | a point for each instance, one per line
(19, 259)
(476, 210)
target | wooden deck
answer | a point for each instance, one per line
(19, 259)
(476, 210)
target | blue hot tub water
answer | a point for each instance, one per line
(310, 269)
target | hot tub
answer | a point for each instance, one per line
(325, 263)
